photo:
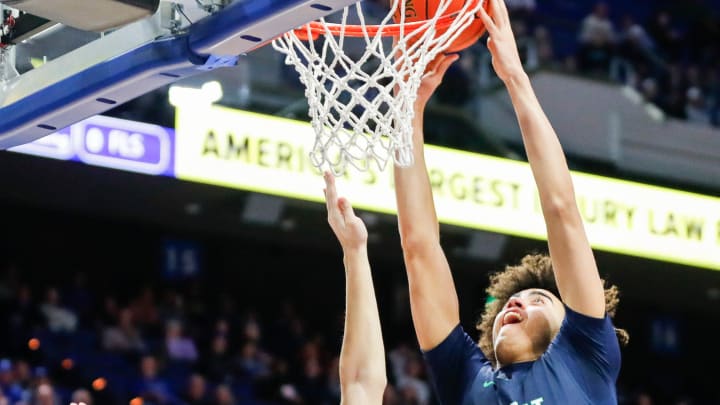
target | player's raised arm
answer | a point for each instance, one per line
(572, 258)
(433, 299)
(362, 358)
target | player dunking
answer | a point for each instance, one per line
(362, 358)
(548, 337)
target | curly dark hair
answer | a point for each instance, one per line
(534, 271)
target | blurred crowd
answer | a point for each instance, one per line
(671, 57)
(181, 345)
(173, 346)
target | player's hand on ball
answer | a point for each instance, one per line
(349, 229)
(432, 79)
(501, 44)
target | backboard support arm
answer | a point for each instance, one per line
(139, 58)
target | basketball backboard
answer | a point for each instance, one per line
(56, 75)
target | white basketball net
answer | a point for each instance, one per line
(361, 105)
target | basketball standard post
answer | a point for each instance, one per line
(139, 58)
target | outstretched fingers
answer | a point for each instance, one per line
(331, 199)
(500, 13)
(490, 25)
(348, 228)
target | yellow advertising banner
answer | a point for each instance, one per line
(266, 154)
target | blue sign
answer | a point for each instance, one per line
(110, 142)
(181, 260)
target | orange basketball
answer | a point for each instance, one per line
(419, 10)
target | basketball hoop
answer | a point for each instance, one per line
(361, 103)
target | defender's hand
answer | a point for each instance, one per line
(349, 229)
(502, 45)
(432, 79)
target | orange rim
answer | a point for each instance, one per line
(317, 28)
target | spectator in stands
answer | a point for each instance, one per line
(643, 398)
(650, 91)
(634, 47)
(311, 385)
(150, 387)
(123, 337)
(82, 396)
(253, 363)
(59, 319)
(144, 309)
(224, 395)
(44, 394)
(222, 327)
(696, 107)
(597, 38)
(667, 37)
(12, 391)
(196, 391)
(412, 385)
(399, 358)
(251, 328)
(218, 364)
(179, 347)
(634, 36)
(23, 375)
